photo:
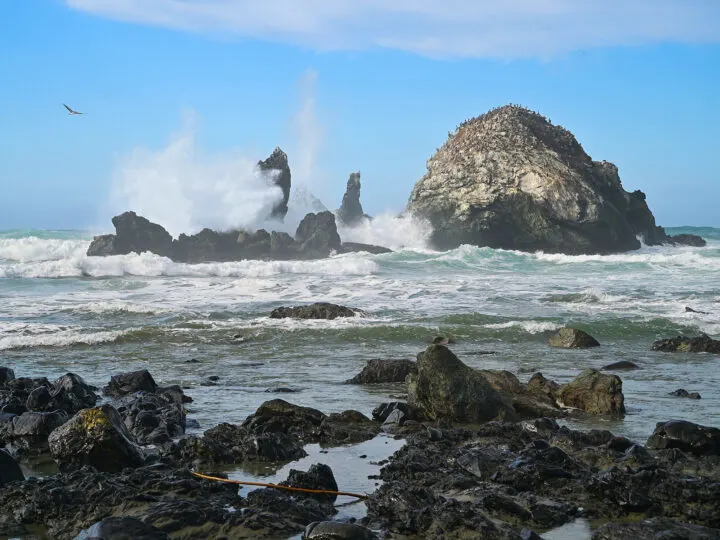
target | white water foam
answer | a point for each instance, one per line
(391, 231)
(531, 327)
(56, 259)
(22, 335)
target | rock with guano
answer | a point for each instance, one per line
(96, 437)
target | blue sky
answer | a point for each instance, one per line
(344, 85)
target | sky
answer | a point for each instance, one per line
(182, 97)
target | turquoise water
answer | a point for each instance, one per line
(61, 311)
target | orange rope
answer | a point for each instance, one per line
(259, 484)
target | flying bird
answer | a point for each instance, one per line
(70, 111)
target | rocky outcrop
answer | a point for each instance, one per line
(384, 371)
(511, 179)
(572, 338)
(131, 382)
(595, 393)
(702, 343)
(655, 529)
(133, 234)
(316, 237)
(277, 431)
(505, 480)
(351, 211)
(318, 310)
(173, 501)
(278, 172)
(96, 437)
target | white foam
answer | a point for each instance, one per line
(32, 248)
(391, 231)
(21, 335)
(531, 327)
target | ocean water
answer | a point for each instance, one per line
(61, 311)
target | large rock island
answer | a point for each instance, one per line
(511, 179)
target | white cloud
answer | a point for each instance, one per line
(442, 28)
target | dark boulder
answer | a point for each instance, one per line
(686, 436)
(595, 393)
(347, 427)
(351, 212)
(319, 310)
(702, 343)
(681, 392)
(69, 393)
(317, 235)
(6, 374)
(319, 477)
(277, 171)
(102, 246)
(621, 365)
(28, 433)
(129, 383)
(121, 528)
(384, 371)
(9, 469)
(446, 389)
(572, 338)
(356, 247)
(687, 240)
(152, 418)
(382, 411)
(335, 530)
(96, 437)
(133, 234)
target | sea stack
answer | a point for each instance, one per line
(351, 211)
(277, 166)
(511, 179)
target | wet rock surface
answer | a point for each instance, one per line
(681, 392)
(501, 478)
(595, 393)
(121, 528)
(276, 432)
(655, 529)
(96, 437)
(572, 338)
(686, 436)
(702, 343)
(170, 500)
(333, 530)
(318, 310)
(9, 469)
(384, 371)
(445, 388)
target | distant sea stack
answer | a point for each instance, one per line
(351, 211)
(511, 179)
(277, 164)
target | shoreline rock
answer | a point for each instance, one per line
(351, 212)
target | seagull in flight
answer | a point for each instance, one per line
(70, 111)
